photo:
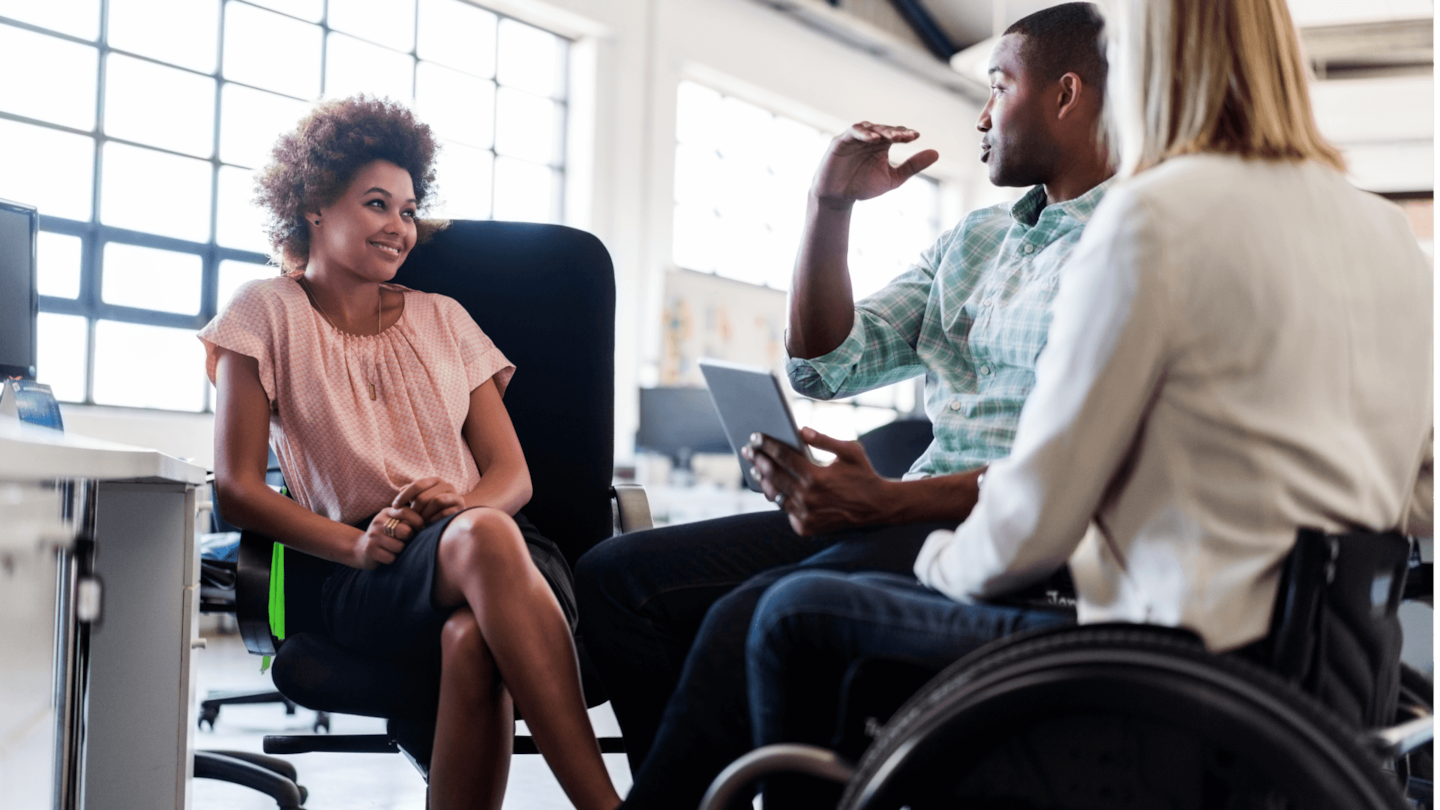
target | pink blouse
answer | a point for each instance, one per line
(344, 455)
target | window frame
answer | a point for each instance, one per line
(94, 234)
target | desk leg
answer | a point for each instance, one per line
(72, 642)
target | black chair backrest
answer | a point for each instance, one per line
(546, 295)
(1336, 628)
(893, 447)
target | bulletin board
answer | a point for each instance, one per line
(709, 316)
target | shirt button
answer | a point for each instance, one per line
(984, 371)
(1029, 248)
(954, 404)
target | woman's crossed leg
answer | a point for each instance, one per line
(508, 639)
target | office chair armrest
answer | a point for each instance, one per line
(631, 508)
(772, 759)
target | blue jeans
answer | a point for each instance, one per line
(811, 626)
(664, 614)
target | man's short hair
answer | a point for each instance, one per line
(1067, 38)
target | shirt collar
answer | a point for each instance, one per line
(1028, 209)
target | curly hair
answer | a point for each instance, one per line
(311, 167)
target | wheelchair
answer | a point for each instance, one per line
(1320, 714)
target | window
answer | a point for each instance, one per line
(742, 175)
(137, 140)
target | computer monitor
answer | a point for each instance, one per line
(679, 422)
(19, 299)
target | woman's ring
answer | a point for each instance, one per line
(780, 499)
(390, 525)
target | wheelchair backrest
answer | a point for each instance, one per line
(1335, 630)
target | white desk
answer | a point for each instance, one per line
(122, 692)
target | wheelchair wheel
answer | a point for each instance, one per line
(1115, 716)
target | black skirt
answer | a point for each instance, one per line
(387, 612)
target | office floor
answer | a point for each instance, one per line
(349, 781)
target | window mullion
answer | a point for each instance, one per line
(324, 48)
(494, 116)
(562, 141)
(210, 268)
(91, 247)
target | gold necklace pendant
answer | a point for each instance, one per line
(372, 391)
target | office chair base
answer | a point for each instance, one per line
(254, 775)
(217, 699)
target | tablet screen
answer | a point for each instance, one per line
(750, 400)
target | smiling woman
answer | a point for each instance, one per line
(384, 407)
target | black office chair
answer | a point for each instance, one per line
(1319, 715)
(546, 295)
(894, 446)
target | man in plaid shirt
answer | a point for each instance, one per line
(665, 612)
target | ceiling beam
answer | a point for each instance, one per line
(922, 22)
(1391, 47)
(883, 45)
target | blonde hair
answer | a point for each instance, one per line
(1189, 76)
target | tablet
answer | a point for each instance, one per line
(750, 400)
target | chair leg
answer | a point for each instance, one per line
(269, 763)
(210, 706)
(287, 794)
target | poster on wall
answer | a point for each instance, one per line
(709, 316)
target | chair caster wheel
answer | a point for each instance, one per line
(208, 714)
(322, 722)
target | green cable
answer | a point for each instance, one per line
(277, 598)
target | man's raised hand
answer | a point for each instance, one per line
(857, 164)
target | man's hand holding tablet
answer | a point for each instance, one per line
(843, 494)
(820, 498)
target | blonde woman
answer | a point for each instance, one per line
(1241, 346)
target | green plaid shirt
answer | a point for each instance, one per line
(972, 316)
